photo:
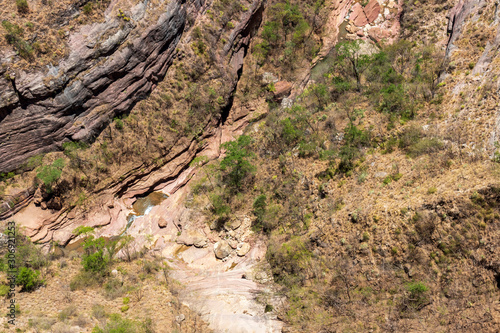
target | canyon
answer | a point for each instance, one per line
(141, 51)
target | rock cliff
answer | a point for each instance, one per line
(111, 66)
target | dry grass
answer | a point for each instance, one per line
(46, 27)
(46, 310)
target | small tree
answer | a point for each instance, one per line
(50, 174)
(350, 61)
(28, 279)
(259, 209)
(236, 161)
(94, 260)
(126, 244)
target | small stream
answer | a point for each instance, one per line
(143, 206)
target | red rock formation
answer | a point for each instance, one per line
(358, 16)
(372, 10)
(46, 225)
(282, 89)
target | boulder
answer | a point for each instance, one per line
(381, 174)
(162, 222)
(222, 249)
(55, 203)
(269, 78)
(180, 318)
(233, 224)
(243, 249)
(358, 16)
(372, 10)
(71, 215)
(192, 237)
(282, 89)
(38, 196)
(377, 34)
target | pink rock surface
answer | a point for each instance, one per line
(283, 88)
(358, 16)
(378, 34)
(372, 10)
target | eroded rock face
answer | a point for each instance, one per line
(358, 16)
(175, 173)
(457, 17)
(372, 10)
(111, 66)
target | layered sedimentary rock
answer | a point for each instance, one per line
(111, 66)
(175, 171)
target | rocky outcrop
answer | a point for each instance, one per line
(362, 16)
(282, 89)
(372, 10)
(111, 66)
(358, 16)
(169, 177)
(378, 21)
(456, 19)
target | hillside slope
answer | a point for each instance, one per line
(314, 166)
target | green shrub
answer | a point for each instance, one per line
(410, 137)
(220, 206)
(397, 176)
(95, 262)
(417, 292)
(50, 174)
(341, 85)
(28, 279)
(67, 312)
(124, 308)
(289, 132)
(4, 290)
(84, 280)
(289, 261)
(117, 324)
(259, 208)
(236, 161)
(14, 38)
(350, 152)
(27, 254)
(33, 162)
(118, 124)
(87, 9)
(425, 146)
(395, 101)
(82, 230)
(114, 288)
(22, 6)
(98, 311)
(71, 148)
